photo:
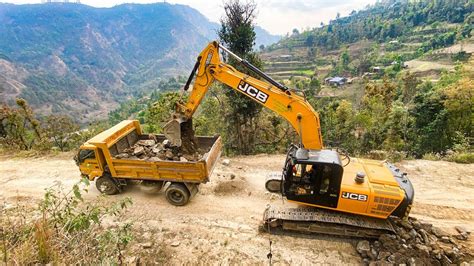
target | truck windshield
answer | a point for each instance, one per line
(86, 154)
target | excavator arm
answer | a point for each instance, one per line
(267, 92)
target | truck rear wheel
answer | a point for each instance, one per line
(106, 185)
(177, 194)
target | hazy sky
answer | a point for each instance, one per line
(276, 16)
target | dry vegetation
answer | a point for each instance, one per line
(63, 228)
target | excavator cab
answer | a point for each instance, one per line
(315, 179)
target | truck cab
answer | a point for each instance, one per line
(90, 161)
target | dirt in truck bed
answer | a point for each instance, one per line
(152, 150)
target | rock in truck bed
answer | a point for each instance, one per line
(154, 148)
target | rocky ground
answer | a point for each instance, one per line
(417, 242)
(221, 224)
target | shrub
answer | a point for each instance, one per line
(63, 229)
(396, 156)
(432, 156)
(465, 157)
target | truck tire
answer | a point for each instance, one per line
(177, 194)
(106, 185)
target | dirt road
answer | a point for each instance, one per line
(221, 224)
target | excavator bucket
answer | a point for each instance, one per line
(179, 132)
(172, 131)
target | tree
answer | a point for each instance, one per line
(160, 111)
(410, 82)
(238, 34)
(309, 40)
(345, 59)
(61, 130)
(397, 125)
(430, 122)
(344, 135)
(18, 126)
(459, 103)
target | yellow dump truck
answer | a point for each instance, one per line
(97, 160)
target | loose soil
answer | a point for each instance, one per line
(221, 224)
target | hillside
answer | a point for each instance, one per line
(83, 60)
(376, 37)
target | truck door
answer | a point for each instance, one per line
(89, 163)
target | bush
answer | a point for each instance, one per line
(377, 155)
(396, 156)
(432, 156)
(63, 229)
(465, 157)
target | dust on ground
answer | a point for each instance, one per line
(221, 224)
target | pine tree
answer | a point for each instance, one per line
(238, 34)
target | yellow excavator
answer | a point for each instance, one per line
(337, 194)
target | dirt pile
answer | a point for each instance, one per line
(151, 150)
(229, 184)
(417, 243)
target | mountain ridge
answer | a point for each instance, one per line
(73, 58)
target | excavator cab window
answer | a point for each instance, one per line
(313, 182)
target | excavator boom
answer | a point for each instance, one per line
(267, 92)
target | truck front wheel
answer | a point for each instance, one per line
(106, 185)
(177, 194)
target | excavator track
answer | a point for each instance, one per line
(321, 221)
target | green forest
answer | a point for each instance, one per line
(387, 20)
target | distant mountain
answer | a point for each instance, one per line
(264, 37)
(73, 58)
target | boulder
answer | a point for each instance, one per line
(146, 142)
(363, 248)
(175, 243)
(146, 245)
(138, 150)
(438, 232)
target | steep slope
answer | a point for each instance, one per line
(73, 58)
(76, 58)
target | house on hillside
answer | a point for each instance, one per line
(402, 64)
(335, 81)
(377, 69)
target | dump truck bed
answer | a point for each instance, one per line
(163, 170)
(127, 133)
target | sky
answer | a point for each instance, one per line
(276, 16)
